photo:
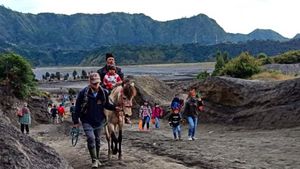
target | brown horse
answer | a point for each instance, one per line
(120, 96)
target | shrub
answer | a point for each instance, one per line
(203, 75)
(17, 73)
(288, 57)
(243, 66)
(221, 60)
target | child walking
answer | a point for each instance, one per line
(174, 122)
(157, 113)
(145, 114)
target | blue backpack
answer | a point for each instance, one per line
(175, 105)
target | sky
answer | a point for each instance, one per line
(234, 16)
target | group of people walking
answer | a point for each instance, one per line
(180, 111)
(193, 105)
(148, 114)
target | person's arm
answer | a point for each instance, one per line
(150, 111)
(120, 73)
(170, 118)
(141, 112)
(119, 80)
(105, 81)
(78, 104)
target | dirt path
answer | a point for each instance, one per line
(217, 147)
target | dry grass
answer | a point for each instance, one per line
(271, 75)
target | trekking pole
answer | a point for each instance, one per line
(74, 135)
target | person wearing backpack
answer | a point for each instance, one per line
(24, 118)
(89, 109)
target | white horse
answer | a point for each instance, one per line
(120, 96)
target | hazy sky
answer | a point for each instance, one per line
(235, 16)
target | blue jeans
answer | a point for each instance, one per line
(146, 119)
(176, 130)
(93, 135)
(192, 125)
(156, 122)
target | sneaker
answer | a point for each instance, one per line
(95, 164)
(194, 138)
(190, 139)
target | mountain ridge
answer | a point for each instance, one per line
(91, 30)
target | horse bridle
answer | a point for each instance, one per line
(122, 101)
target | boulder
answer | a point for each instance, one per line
(21, 151)
(251, 102)
(152, 90)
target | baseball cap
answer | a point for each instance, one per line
(94, 78)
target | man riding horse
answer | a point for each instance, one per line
(110, 60)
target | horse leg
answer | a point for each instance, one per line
(108, 139)
(114, 142)
(120, 144)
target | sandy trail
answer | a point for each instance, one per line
(216, 147)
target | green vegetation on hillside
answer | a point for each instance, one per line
(243, 66)
(16, 73)
(288, 57)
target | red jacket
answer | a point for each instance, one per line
(61, 110)
(157, 112)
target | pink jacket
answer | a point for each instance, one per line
(157, 112)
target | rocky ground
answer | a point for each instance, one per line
(217, 146)
(256, 125)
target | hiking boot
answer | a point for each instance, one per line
(95, 164)
(95, 161)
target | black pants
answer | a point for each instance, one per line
(25, 126)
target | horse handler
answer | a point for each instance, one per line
(89, 108)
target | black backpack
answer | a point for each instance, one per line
(84, 105)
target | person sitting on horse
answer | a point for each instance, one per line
(89, 108)
(111, 79)
(110, 60)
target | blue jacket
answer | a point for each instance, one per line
(94, 114)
